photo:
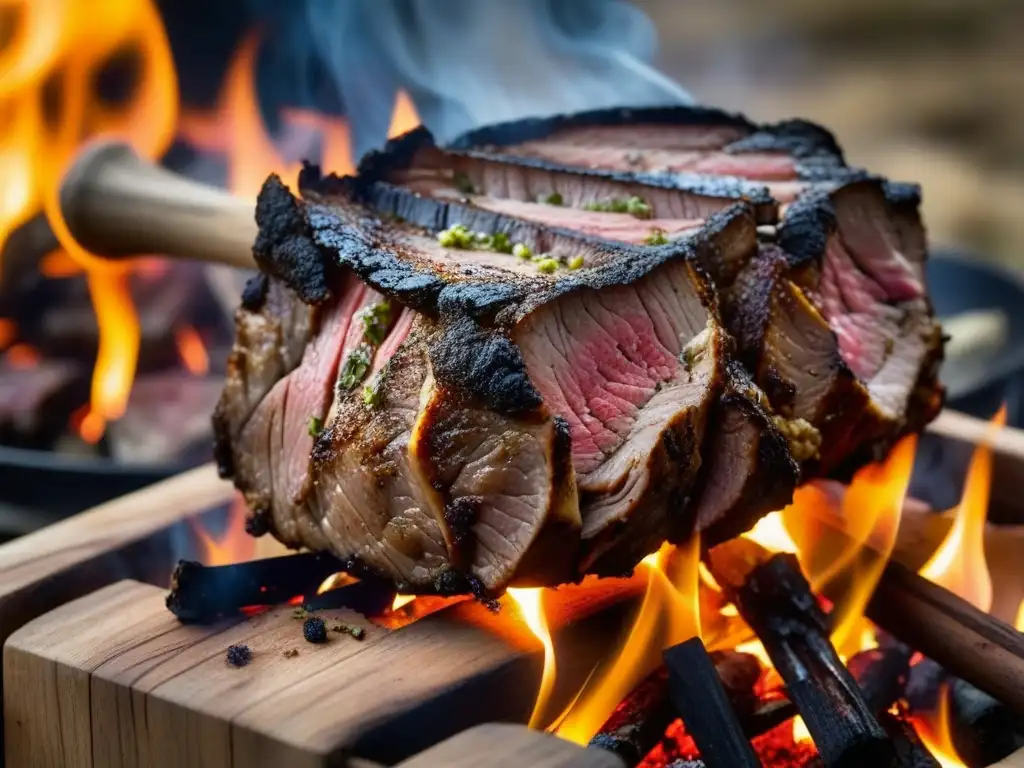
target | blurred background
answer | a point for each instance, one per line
(108, 374)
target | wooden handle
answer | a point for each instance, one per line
(118, 205)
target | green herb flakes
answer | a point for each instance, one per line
(547, 266)
(354, 369)
(316, 426)
(656, 237)
(347, 629)
(372, 393)
(576, 262)
(375, 320)
(521, 251)
(634, 206)
(555, 198)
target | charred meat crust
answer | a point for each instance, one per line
(814, 146)
(283, 248)
(771, 485)
(399, 154)
(486, 364)
(534, 128)
(376, 256)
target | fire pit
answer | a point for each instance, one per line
(98, 671)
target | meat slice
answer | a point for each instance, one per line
(550, 192)
(837, 326)
(672, 140)
(627, 350)
(520, 423)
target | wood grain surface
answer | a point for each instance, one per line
(503, 745)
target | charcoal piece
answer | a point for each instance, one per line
(202, 593)
(775, 599)
(924, 684)
(910, 751)
(639, 722)
(239, 655)
(882, 674)
(983, 729)
(369, 596)
(314, 630)
(703, 703)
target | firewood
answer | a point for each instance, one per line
(910, 751)
(982, 728)
(201, 593)
(882, 674)
(966, 641)
(702, 702)
(640, 721)
(776, 601)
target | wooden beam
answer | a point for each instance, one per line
(503, 745)
(114, 679)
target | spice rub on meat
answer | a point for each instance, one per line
(545, 349)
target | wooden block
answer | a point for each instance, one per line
(503, 745)
(130, 537)
(113, 680)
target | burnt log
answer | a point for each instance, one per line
(640, 721)
(982, 728)
(702, 701)
(775, 599)
(36, 403)
(910, 751)
(882, 674)
(969, 643)
(202, 593)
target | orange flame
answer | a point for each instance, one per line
(192, 351)
(936, 735)
(959, 562)
(401, 601)
(770, 532)
(1019, 624)
(234, 545)
(403, 117)
(61, 48)
(668, 615)
(530, 603)
(235, 128)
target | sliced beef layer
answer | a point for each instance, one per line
(837, 325)
(553, 193)
(670, 140)
(627, 350)
(751, 470)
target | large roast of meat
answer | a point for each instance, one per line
(545, 349)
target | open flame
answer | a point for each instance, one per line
(959, 562)
(530, 603)
(54, 57)
(668, 615)
(51, 61)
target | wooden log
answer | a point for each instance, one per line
(702, 702)
(134, 681)
(640, 720)
(776, 601)
(882, 674)
(969, 643)
(120, 205)
(206, 593)
(982, 728)
(503, 745)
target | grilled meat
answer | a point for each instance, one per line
(544, 350)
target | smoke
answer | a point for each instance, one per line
(467, 63)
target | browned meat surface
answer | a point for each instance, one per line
(546, 349)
